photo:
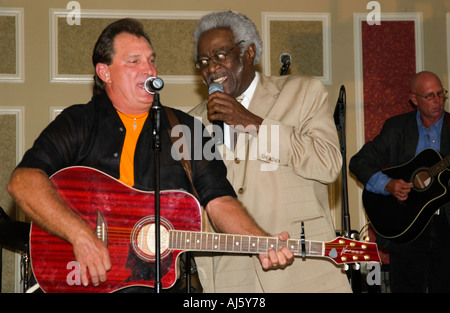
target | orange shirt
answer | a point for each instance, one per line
(133, 125)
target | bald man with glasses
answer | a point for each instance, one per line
(420, 265)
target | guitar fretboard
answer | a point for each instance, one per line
(440, 166)
(214, 242)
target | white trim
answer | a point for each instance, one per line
(18, 112)
(448, 54)
(86, 13)
(267, 17)
(54, 111)
(359, 96)
(19, 76)
(359, 91)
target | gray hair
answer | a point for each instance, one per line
(240, 25)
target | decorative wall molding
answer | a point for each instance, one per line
(359, 96)
(18, 76)
(171, 16)
(448, 52)
(18, 113)
(54, 111)
(358, 18)
(323, 18)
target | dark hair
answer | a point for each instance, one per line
(104, 47)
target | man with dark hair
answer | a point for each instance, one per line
(113, 133)
(104, 48)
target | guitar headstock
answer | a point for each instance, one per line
(343, 250)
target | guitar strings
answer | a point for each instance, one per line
(188, 240)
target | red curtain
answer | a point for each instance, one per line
(389, 61)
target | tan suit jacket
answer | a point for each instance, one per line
(281, 177)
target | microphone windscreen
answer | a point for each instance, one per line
(285, 58)
(217, 125)
(153, 84)
(157, 84)
(215, 87)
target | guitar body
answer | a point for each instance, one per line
(403, 221)
(126, 215)
(124, 219)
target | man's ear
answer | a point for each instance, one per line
(413, 99)
(251, 50)
(102, 71)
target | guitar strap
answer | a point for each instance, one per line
(206, 226)
(185, 163)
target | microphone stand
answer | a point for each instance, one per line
(155, 112)
(284, 68)
(339, 119)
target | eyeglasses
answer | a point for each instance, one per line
(218, 58)
(440, 94)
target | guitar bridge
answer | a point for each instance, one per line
(102, 231)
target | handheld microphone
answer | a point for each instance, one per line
(215, 87)
(218, 135)
(153, 85)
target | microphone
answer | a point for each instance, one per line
(215, 87)
(218, 135)
(339, 111)
(153, 85)
(285, 58)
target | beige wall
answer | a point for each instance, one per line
(36, 94)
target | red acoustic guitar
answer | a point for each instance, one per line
(124, 218)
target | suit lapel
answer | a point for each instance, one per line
(264, 98)
(262, 102)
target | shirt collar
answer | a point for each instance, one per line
(248, 94)
(438, 124)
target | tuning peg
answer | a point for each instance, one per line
(356, 266)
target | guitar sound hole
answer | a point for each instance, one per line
(143, 239)
(422, 180)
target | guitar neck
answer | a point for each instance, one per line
(215, 242)
(440, 166)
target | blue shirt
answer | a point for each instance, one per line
(428, 138)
